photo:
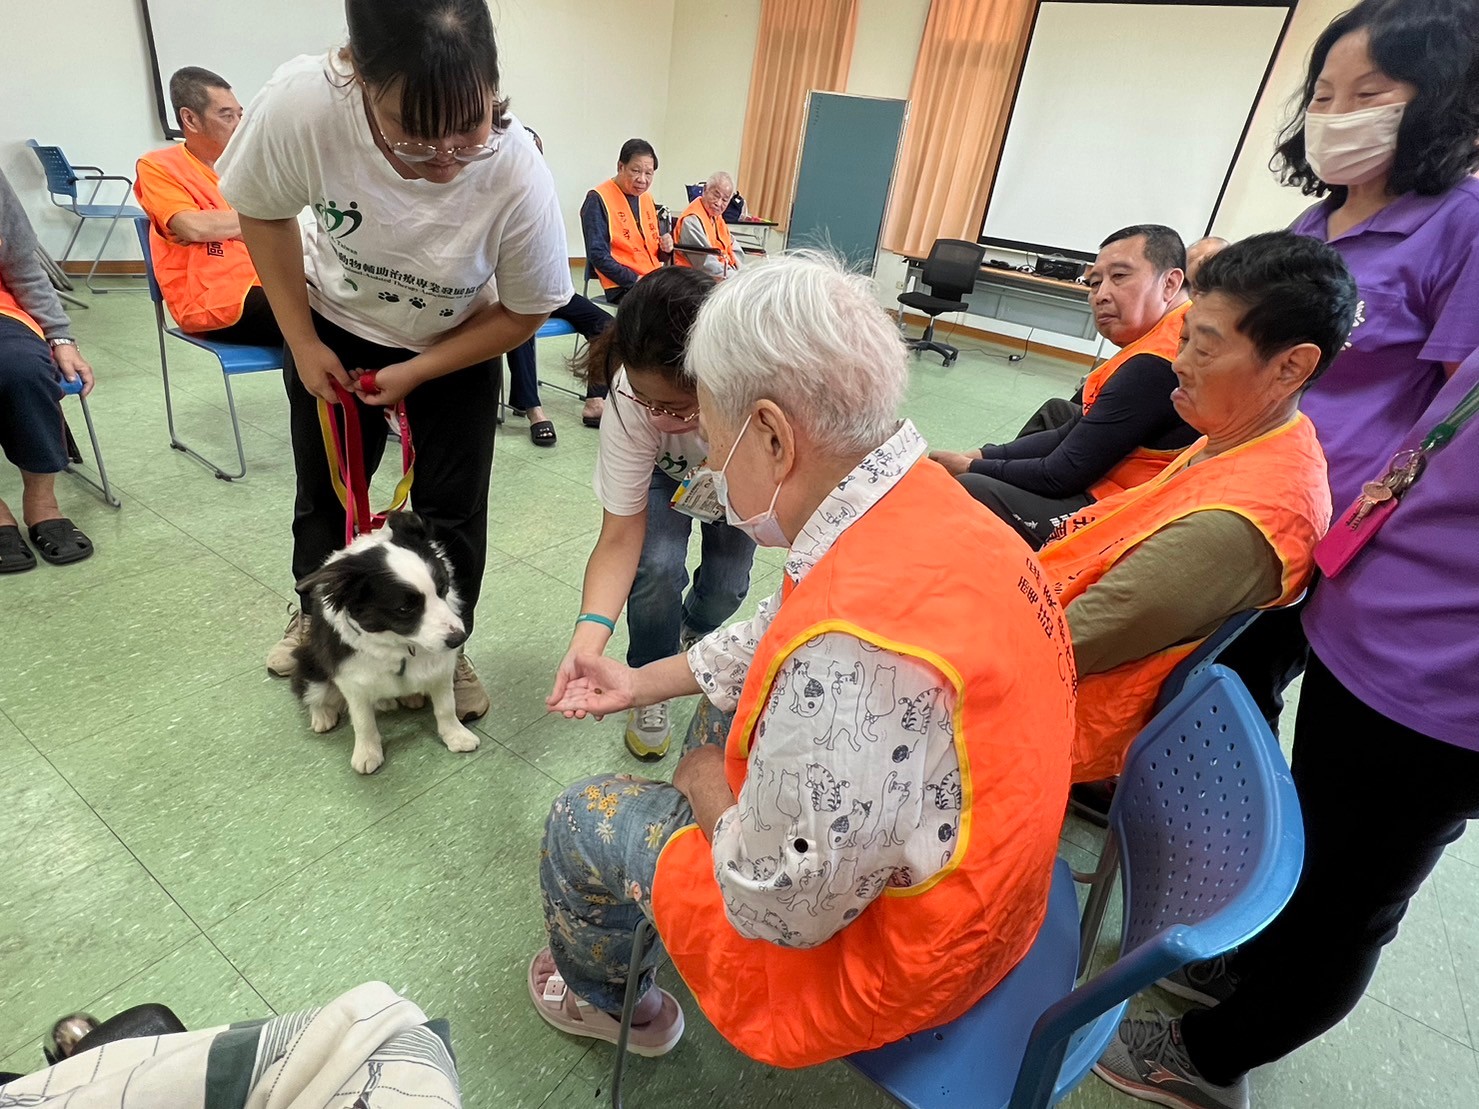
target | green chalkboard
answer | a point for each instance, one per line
(849, 148)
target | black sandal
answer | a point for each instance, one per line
(542, 433)
(15, 556)
(60, 542)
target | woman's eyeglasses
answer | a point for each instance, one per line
(424, 152)
(659, 410)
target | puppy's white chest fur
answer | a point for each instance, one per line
(378, 676)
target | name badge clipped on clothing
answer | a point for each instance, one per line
(697, 497)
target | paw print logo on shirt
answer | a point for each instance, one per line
(416, 302)
(389, 298)
(445, 312)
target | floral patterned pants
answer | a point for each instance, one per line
(596, 867)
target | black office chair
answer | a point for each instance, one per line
(950, 272)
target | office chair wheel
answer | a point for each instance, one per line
(949, 360)
(1016, 357)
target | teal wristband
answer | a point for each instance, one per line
(596, 618)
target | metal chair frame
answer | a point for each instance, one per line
(103, 487)
(62, 179)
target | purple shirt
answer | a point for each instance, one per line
(1400, 625)
(1416, 265)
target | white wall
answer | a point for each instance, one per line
(559, 68)
(1255, 200)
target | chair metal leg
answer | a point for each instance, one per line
(642, 937)
(1100, 887)
(91, 273)
(175, 442)
(102, 485)
(71, 242)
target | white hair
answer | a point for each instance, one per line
(719, 177)
(802, 331)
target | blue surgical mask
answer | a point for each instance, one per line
(763, 527)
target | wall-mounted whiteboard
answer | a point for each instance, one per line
(242, 40)
(1128, 113)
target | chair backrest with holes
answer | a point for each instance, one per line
(952, 267)
(1206, 820)
(61, 180)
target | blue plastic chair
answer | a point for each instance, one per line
(235, 358)
(74, 389)
(1208, 652)
(549, 329)
(1205, 829)
(61, 182)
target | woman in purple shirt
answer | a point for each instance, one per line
(1388, 137)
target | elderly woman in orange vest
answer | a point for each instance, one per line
(703, 236)
(1147, 574)
(868, 850)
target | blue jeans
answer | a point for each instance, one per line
(658, 612)
(596, 868)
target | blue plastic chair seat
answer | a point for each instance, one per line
(551, 328)
(974, 1060)
(236, 358)
(108, 211)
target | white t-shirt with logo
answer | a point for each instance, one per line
(395, 261)
(631, 448)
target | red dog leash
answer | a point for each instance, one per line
(344, 447)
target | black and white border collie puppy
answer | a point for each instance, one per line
(387, 626)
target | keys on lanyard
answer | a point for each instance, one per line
(1401, 473)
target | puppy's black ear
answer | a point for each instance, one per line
(320, 583)
(407, 527)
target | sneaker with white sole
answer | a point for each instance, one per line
(467, 688)
(280, 660)
(1207, 983)
(1147, 1059)
(649, 731)
(560, 1008)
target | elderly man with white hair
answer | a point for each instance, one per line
(703, 237)
(863, 846)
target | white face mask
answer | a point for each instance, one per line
(1351, 149)
(763, 527)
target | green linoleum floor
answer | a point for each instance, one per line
(174, 832)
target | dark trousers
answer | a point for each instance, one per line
(1380, 803)
(523, 366)
(1054, 413)
(452, 420)
(1270, 655)
(30, 401)
(257, 326)
(1033, 516)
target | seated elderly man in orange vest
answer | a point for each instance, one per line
(867, 850)
(204, 271)
(703, 236)
(623, 240)
(1145, 575)
(1127, 429)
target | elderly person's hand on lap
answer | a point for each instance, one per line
(1145, 575)
(877, 831)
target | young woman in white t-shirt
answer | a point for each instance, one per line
(436, 246)
(649, 441)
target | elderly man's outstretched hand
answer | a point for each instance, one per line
(592, 685)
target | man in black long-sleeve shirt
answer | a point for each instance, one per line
(1128, 426)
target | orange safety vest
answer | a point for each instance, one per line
(11, 307)
(717, 230)
(924, 573)
(1142, 463)
(1277, 482)
(204, 284)
(635, 247)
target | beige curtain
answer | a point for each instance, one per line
(803, 45)
(959, 102)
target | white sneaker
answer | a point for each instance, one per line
(649, 732)
(467, 688)
(280, 660)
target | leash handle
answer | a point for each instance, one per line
(344, 448)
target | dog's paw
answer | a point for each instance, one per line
(323, 719)
(366, 760)
(387, 704)
(461, 739)
(413, 701)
